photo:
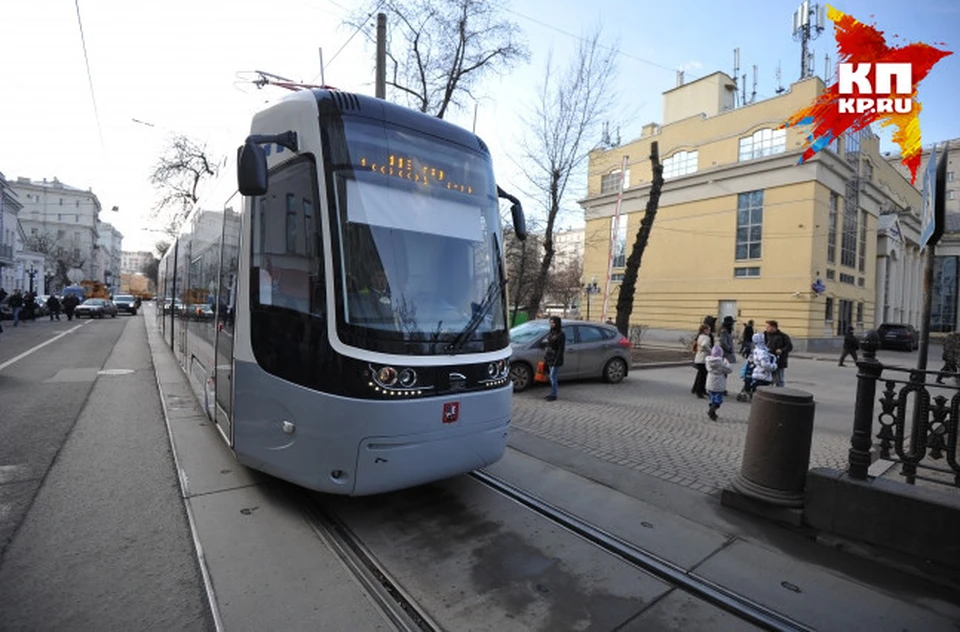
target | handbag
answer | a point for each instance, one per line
(541, 375)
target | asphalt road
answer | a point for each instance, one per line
(93, 533)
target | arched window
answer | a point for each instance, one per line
(764, 142)
(680, 164)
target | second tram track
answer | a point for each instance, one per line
(738, 605)
(402, 610)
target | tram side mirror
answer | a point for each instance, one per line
(251, 169)
(516, 210)
(519, 221)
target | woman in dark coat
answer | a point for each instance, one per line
(556, 343)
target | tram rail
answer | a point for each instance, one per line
(736, 604)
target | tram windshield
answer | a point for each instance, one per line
(418, 241)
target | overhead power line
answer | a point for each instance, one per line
(86, 59)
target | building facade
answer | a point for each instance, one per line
(744, 230)
(10, 235)
(62, 222)
(109, 254)
(132, 262)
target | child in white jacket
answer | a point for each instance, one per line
(717, 370)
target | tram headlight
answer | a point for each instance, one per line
(493, 369)
(408, 377)
(504, 367)
(387, 376)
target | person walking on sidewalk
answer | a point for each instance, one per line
(70, 303)
(850, 346)
(556, 343)
(16, 304)
(53, 306)
(702, 348)
(780, 346)
(717, 370)
(951, 354)
(726, 339)
(746, 341)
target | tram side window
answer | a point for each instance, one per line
(287, 256)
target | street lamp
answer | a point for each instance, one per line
(591, 289)
(32, 273)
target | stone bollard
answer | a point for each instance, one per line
(776, 456)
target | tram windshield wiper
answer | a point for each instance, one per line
(479, 313)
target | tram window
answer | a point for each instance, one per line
(287, 262)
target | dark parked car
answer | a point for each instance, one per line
(96, 308)
(898, 336)
(125, 303)
(593, 350)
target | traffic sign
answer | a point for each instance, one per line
(931, 213)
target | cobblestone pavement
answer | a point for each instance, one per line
(654, 425)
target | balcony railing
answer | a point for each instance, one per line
(919, 421)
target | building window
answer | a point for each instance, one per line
(867, 170)
(680, 164)
(59, 217)
(77, 204)
(847, 278)
(828, 312)
(852, 144)
(764, 142)
(861, 282)
(749, 225)
(610, 182)
(291, 223)
(862, 249)
(76, 219)
(742, 273)
(61, 201)
(616, 277)
(860, 315)
(832, 228)
(949, 177)
(943, 308)
(620, 244)
(950, 194)
(848, 240)
(831, 275)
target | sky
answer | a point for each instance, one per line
(153, 70)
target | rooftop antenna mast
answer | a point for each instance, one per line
(807, 26)
(753, 93)
(827, 75)
(780, 88)
(736, 75)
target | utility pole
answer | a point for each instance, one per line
(381, 79)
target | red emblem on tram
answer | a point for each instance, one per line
(451, 412)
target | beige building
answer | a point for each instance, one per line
(744, 230)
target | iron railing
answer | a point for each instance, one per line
(918, 426)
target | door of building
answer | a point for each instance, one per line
(726, 308)
(845, 317)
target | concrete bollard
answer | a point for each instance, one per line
(776, 456)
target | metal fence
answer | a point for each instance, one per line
(918, 419)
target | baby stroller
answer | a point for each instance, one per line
(749, 384)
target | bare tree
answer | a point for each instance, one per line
(151, 269)
(521, 262)
(177, 176)
(628, 286)
(563, 127)
(162, 247)
(438, 49)
(59, 258)
(563, 283)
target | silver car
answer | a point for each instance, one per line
(593, 350)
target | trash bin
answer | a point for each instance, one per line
(776, 455)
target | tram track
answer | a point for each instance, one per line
(401, 608)
(703, 589)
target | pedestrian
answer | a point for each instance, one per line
(70, 302)
(950, 356)
(850, 346)
(556, 344)
(711, 322)
(780, 345)
(53, 306)
(764, 363)
(16, 304)
(29, 306)
(746, 341)
(717, 369)
(726, 339)
(702, 348)
(3, 294)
